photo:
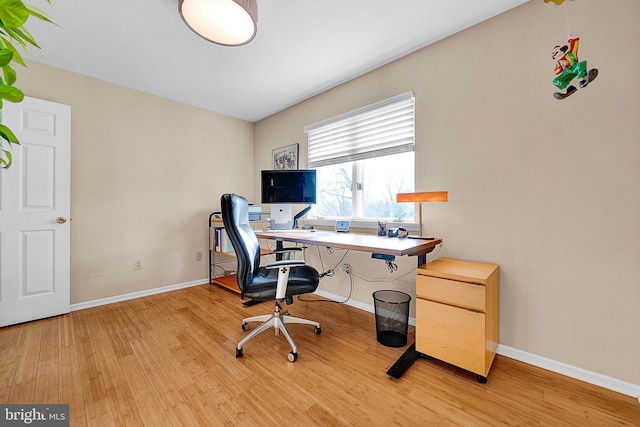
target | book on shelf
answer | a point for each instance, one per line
(225, 243)
(219, 240)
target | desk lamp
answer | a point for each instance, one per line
(428, 196)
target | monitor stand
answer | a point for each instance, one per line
(300, 215)
(281, 216)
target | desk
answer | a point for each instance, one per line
(357, 242)
(363, 243)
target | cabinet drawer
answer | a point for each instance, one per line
(461, 294)
(454, 335)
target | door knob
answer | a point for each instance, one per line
(61, 220)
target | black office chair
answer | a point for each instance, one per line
(277, 281)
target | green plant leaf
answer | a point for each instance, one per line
(9, 75)
(8, 135)
(37, 13)
(22, 36)
(16, 55)
(11, 93)
(13, 13)
(3, 38)
(5, 164)
(7, 42)
(5, 57)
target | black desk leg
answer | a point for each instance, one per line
(410, 354)
(279, 247)
(404, 362)
(422, 259)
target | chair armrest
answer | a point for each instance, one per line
(286, 263)
(285, 253)
(283, 276)
(286, 250)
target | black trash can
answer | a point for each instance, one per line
(392, 317)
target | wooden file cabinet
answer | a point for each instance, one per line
(457, 313)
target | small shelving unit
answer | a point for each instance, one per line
(219, 260)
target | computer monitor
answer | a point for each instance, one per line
(286, 187)
(289, 186)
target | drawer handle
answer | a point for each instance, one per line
(474, 312)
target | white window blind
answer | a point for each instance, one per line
(380, 129)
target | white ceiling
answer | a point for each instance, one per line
(302, 48)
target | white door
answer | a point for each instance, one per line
(34, 213)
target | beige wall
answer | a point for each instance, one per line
(145, 174)
(547, 189)
(550, 190)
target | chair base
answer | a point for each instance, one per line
(278, 321)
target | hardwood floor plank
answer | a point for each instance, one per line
(169, 359)
(321, 417)
(168, 363)
(159, 381)
(69, 375)
(48, 362)
(120, 329)
(90, 372)
(24, 383)
(11, 348)
(98, 413)
(123, 406)
(147, 403)
(207, 410)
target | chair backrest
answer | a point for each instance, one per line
(235, 216)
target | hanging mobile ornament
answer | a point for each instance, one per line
(568, 66)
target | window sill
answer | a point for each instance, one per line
(361, 224)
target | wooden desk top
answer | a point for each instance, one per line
(354, 241)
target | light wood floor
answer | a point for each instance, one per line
(169, 359)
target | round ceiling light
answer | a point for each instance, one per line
(225, 22)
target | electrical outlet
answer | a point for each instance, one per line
(347, 268)
(137, 264)
(198, 256)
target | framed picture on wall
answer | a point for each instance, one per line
(285, 157)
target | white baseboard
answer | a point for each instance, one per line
(599, 380)
(132, 295)
(594, 378)
(356, 304)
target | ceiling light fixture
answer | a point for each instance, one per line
(225, 22)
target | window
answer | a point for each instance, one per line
(363, 159)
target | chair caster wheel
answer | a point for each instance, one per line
(317, 330)
(239, 352)
(481, 379)
(292, 356)
(245, 326)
